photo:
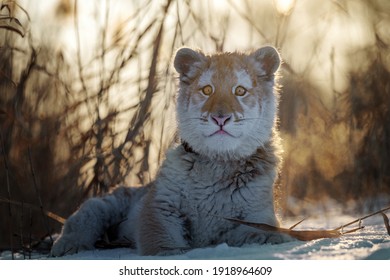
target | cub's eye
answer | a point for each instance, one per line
(207, 90)
(240, 91)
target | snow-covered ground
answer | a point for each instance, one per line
(371, 242)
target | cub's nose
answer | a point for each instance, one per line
(221, 120)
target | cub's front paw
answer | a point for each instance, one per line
(67, 245)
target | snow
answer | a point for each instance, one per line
(371, 242)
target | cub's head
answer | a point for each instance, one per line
(226, 105)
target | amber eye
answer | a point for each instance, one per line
(207, 90)
(240, 91)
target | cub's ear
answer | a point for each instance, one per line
(188, 60)
(269, 59)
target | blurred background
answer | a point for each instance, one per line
(87, 98)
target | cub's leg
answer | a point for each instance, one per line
(84, 227)
(250, 236)
(244, 234)
(162, 230)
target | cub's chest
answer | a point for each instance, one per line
(202, 187)
(205, 206)
(217, 176)
(215, 189)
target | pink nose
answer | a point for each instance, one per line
(221, 120)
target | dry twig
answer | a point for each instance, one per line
(307, 235)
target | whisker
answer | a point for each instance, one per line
(195, 118)
(247, 119)
(198, 118)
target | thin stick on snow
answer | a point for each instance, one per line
(365, 217)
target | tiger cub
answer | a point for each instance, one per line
(225, 165)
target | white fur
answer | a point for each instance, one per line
(243, 79)
(205, 78)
